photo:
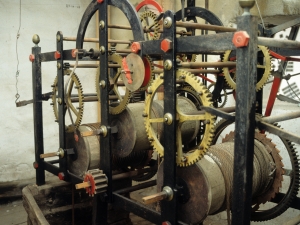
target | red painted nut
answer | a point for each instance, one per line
(57, 55)
(166, 223)
(166, 45)
(35, 165)
(240, 39)
(99, 1)
(31, 58)
(61, 176)
(135, 47)
(74, 51)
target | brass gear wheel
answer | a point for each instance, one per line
(144, 17)
(267, 66)
(115, 106)
(278, 177)
(78, 111)
(192, 156)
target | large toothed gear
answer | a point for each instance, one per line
(278, 171)
(197, 152)
(77, 110)
(116, 106)
(267, 67)
(97, 180)
(145, 17)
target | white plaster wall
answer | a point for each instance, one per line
(16, 133)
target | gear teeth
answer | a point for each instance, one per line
(194, 89)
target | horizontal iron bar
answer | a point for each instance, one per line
(278, 131)
(271, 42)
(279, 118)
(96, 40)
(137, 187)
(205, 26)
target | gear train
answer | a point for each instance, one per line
(162, 116)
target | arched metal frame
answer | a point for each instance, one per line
(124, 6)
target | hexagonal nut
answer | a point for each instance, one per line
(240, 39)
(31, 58)
(74, 51)
(135, 47)
(99, 1)
(57, 55)
(61, 176)
(166, 45)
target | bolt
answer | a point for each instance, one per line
(59, 101)
(35, 165)
(102, 50)
(103, 131)
(101, 24)
(166, 45)
(74, 52)
(100, 1)
(58, 38)
(135, 47)
(168, 118)
(31, 58)
(102, 84)
(58, 66)
(61, 176)
(168, 22)
(168, 64)
(57, 55)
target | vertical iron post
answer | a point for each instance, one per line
(244, 125)
(61, 105)
(168, 208)
(38, 115)
(100, 207)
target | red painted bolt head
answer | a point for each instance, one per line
(240, 39)
(74, 51)
(166, 45)
(135, 47)
(35, 165)
(57, 55)
(31, 58)
(166, 223)
(61, 176)
(99, 1)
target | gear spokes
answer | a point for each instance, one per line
(185, 157)
(77, 110)
(230, 74)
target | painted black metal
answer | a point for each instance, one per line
(125, 6)
(203, 13)
(38, 115)
(100, 207)
(63, 163)
(137, 208)
(219, 113)
(295, 203)
(136, 187)
(168, 208)
(193, 44)
(245, 113)
(51, 168)
(281, 27)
